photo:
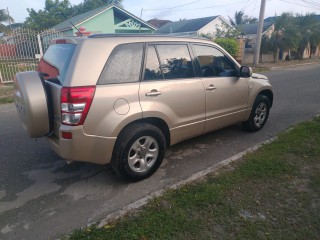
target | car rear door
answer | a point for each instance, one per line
(170, 91)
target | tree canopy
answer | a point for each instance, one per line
(5, 17)
(241, 18)
(57, 11)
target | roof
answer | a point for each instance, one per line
(65, 25)
(158, 23)
(253, 27)
(191, 25)
(80, 18)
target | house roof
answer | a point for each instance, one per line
(158, 23)
(253, 28)
(65, 25)
(190, 25)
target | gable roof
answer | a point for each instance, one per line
(190, 25)
(78, 19)
(253, 28)
(158, 23)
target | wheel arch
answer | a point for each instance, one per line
(269, 94)
(158, 122)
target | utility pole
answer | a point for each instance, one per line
(259, 34)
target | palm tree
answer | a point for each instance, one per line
(285, 35)
(310, 33)
(240, 18)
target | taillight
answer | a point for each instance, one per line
(75, 104)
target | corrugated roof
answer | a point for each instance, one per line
(253, 28)
(158, 23)
(190, 25)
(80, 18)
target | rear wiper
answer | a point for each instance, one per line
(43, 74)
(53, 80)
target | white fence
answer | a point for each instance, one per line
(21, 49)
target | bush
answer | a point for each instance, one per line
(229, 44)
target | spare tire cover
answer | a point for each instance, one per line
(31, 103)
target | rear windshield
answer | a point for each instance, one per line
(56, 60)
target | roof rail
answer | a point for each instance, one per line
(105, 35)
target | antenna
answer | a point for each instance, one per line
(75, 28)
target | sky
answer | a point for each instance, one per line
(182, 9)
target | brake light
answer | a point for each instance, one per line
(75, 104)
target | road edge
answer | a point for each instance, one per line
(196, 176)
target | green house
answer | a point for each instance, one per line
(107, 19)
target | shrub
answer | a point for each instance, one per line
(229, 44)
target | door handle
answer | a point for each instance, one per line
(153, 93)
(211, 87)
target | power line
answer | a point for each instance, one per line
(311, 3)
(181, 10)
(306, 6)
(160, 9)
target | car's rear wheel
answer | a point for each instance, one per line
(259, 114)
(139, 151)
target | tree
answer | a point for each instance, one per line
(57, 11)
(5, 17)
(285, 35)
(88, 5)
(241, 18)
(54, 12)
(309, 28)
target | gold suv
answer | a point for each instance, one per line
(123, 99)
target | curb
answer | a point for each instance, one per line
(294, 65)
(196, 176)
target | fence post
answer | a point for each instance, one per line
(40, 46)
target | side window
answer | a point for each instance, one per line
(123, 65)
(214, 63)
(152, 71)
(175, 61)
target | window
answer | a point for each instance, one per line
(175, 61)
(123, 65)
(214, 63)
(152, 71)
(56, 61)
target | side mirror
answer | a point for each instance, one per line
(245, 71)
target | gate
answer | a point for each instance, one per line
(21, 50)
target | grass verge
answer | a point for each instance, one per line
(273, 193)
(6, 95)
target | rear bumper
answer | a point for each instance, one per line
(82, 147)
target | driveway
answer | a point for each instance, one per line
(42, 197)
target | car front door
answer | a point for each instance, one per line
(226, 93)
(170, 91)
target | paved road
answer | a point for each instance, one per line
(42, 198)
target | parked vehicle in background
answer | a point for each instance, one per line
(124, 99)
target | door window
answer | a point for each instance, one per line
(152, 71)
(123, 65)
(213, 62)
(175, 61)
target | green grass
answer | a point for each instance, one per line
(273, 193)
(10, 67)
(6, 95)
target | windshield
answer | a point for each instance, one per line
(56, 60)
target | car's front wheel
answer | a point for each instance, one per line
(259, 114)
(139, 151)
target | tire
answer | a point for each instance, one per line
(138, 152)
(259, 114)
